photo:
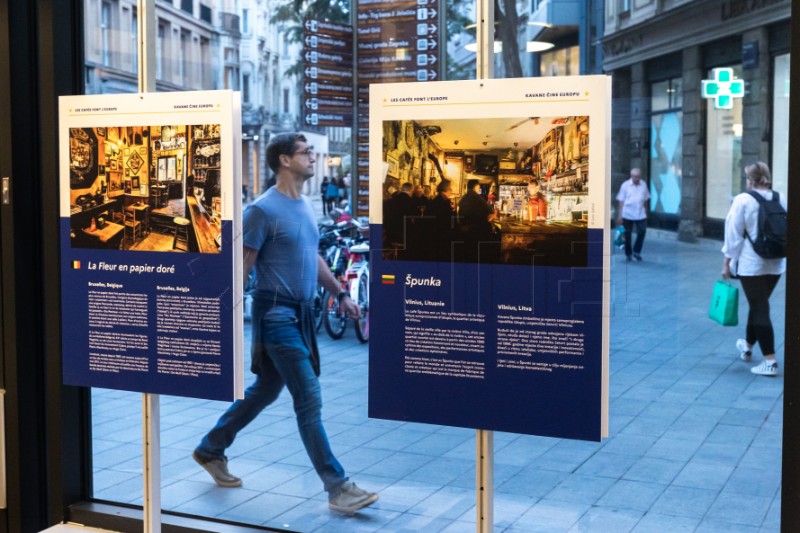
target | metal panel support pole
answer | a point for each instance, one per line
(151, 454)
(484, 40)
(151, 441)
(485, 481)
(484, 62)
(146, 41)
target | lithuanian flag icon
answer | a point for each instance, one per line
(387, 279)
(76, 265)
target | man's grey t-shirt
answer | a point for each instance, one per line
(285, 233)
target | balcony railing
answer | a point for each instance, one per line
(229, 23)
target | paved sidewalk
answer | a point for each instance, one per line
(695, 439)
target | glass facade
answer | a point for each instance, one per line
(687, 425)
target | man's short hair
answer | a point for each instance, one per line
(471, 184)
(282, 144)
(407, 186)
(444, 186)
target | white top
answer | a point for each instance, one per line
(633, 198)
(743, 216)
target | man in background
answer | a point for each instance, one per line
(632, 214)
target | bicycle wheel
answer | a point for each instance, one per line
(317, 307)
(362, 324)
(335, 322)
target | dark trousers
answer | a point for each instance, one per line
(757, 290)
(641, 229)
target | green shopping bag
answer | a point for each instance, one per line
(724, 304)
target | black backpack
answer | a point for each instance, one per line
(770, 243)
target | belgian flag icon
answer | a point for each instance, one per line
(76, 265)
(387, 279)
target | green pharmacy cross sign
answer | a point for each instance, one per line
(723, 88)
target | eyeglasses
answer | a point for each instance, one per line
(307, 152)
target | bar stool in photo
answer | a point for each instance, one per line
(181, 240)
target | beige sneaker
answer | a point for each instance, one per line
(351, 499)
(218, 469)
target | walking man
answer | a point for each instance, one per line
(633, 198)
(280, 239)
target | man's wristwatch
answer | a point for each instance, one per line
(342, 295)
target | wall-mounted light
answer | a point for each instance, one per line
(530, 46)
(473, 47)
(496, 23)
(538, 46)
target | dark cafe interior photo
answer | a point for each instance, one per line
(146, 188)
(500, 190)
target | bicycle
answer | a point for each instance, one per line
(350, 266)
(358, 279)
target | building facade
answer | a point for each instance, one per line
(692, 150)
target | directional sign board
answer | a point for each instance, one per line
(328, 73)
(397, 41)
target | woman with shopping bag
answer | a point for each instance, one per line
(758, 275)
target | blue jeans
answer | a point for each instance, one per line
(289, 365)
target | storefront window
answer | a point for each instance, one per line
(723, 154)
(780, 123)
(688, 429)
(666, 154)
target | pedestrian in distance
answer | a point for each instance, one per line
(633, 197)
(323, 188)
(758, 275)
(331, 197)
(280, 237)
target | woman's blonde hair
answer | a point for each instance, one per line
(759, 174)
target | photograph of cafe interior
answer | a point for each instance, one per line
(146, 188)
(501, 190)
